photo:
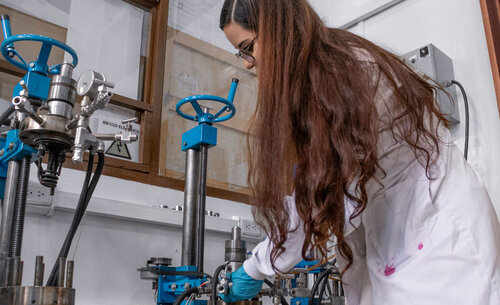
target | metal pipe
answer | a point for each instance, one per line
(7, 217)
(69, 274)
(191, 203)
(39, 271)
(16, 262)
(60, 271)
(200, 237)
(16, 241)
(19, 278)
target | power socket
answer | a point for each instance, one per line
(38, 194)
(250, 228)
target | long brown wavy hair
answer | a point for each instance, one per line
(316, 112)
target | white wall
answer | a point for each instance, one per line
(456, 28)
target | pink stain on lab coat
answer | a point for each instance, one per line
(389, 270)
(420, 246)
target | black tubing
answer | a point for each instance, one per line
(466, 104)
(321, 276)
(271, 285)
(215, 280)
(324, 284)
(86, 194)
(185, 294)
(5, 115)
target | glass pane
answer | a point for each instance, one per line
(109, 36)
(199, 60)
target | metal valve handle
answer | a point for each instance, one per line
(201, 116)
(40, 65)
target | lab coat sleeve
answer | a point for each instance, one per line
(259, 265)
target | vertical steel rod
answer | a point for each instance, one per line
(16, 240)
(191, 203)
(39, 271)
(16, 262)
(60, 271)
(7, 217)
(69, 274)
(200, 237)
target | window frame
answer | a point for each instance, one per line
(150, 109)
(490, 10)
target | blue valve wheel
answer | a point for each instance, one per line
(47, 43)
(203, 117)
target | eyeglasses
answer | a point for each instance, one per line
(246, 52)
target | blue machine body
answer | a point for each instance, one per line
(12, 148)
(171, 286)
(38, 83)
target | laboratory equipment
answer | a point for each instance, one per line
(43, 124)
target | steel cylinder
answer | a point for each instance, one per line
(191, 203)
(7, 217)
(20, 208)
(200, 236)
(62, 92)
(235, 250)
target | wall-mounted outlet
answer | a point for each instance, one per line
(38, 194)
(250, 228)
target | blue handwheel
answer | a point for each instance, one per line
(43, 56)
(202, 117)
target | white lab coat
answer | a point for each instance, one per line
(418, 241)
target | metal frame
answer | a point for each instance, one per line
(370, 14)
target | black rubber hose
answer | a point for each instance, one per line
(466, 104)
(324, 284)
(271, 285)
(86, 194)
(185, 294)
(5, 115)
(321, 276)
(215, 280)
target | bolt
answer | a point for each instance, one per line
(2, 152)
(186, 285)
(185, 143)
(11, 145)
(32, 65)
(174, 287)
(298, 303)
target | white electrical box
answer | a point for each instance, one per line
(433, 63)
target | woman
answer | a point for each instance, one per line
(374, 167)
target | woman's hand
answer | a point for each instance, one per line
(243, 287)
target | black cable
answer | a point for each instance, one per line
(215, 280)
(185, 294)
(86, 194)
(5, 115)
(466, 103)
(324, 284)
(321, 276)
(271, 285)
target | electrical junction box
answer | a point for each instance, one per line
(433, 63)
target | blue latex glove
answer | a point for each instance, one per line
(243, 287)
